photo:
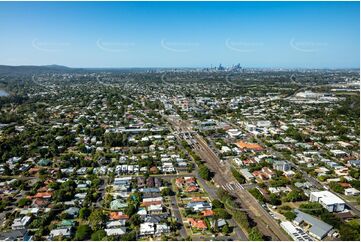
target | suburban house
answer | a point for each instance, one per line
(352, 192)
(21, 223)
(264, 174)
(198, 224)
(281, 165)
(199, 206)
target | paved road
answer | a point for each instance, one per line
(240, 235)
(177, 215)
(102, 193)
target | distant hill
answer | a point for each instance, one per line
(28, 70)
(6, 70)
(54, 66)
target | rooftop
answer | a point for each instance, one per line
(327, 197)
(318, 227)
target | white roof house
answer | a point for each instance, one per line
(168, 167)
(225, 149)
(142, 212)
(65, 232)
(248, 175)
(157, 208)
(264, 123)
(338, 153)
(351, 192)
(238, 161)
(115, 224)
(147, 228)
(26, 211)
(152, 199)
(328, 200)
(115, 231)
(21, 223)
(162, 228)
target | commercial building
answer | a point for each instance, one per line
(328, 200)
(314, 226)
(295, 232)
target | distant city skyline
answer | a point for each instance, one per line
(181, 34)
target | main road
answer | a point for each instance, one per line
(177, 215)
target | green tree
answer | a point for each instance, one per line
(313, 208)
(135, 220)
(257, 194)
(331, 219)
(204, 172)
(238, 176)
(98, 235)
(355, 173)
(335, 186)
(84, 213)
(166, 192)
(222, 213)
(294, 196)
(225, 229)
(241, 218)
(24, 201)
(274, 199)
(83, 232)
(131, 236)
(289, 215)
(96, 219)
(130, 210)
(255, 235)
(350, 231)
(217, 204)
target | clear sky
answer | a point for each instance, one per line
(181, 34)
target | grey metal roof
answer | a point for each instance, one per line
(318, 227)
(13, 234)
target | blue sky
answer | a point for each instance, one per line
(181, 34)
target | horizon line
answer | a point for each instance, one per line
(180, 67)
